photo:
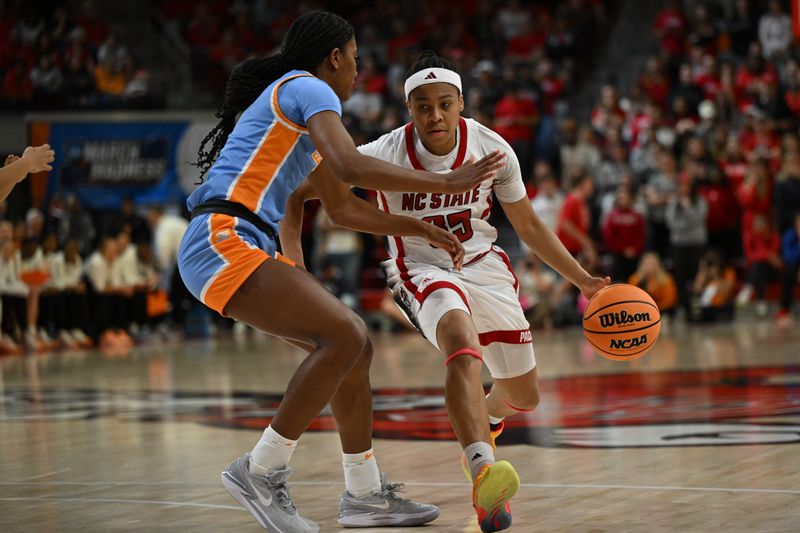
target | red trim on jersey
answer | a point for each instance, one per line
(507, 261)
(438, 285)
(399, 261)
(486, 213)
(463, 351)
(515, 336)
(477, 257)
(462, 145)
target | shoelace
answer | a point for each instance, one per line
(390, 489)
(283, 497)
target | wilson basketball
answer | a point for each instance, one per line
(622, 322)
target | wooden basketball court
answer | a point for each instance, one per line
(702, 434)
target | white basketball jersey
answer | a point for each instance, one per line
(465, 215)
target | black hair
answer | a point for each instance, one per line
(309, 40)
(429, 59)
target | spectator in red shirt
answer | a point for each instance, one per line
(670, 26)
(754, 195)
(754, 69)
(551, 84)
(722, 220)
(574, 221)
(734, 164)
(762, 248)
(709, 81)
(624, 235)
(515, 116)
(759, 140)
(527, 44)
(654, 82)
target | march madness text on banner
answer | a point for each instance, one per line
(119, 162)
(102, 158)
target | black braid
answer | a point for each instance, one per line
(309, 40)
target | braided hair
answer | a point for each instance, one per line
(429, 59)
(309, 40)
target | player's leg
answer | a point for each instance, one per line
(458, 341)
(456, 336)
(369, 499)
(514, 395)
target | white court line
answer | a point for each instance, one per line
(40, 476)
(425, 484)
(109, 500)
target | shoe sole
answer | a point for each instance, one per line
(368, 519)
(243, 496)
(497, 486)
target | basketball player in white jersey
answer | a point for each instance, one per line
(471, 315)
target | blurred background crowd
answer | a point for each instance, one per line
(669, 159)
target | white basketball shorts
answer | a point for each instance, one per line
(486, 289)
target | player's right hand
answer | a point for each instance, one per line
(38, 158)
(446, 241)
(473, 173)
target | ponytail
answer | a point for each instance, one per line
(309, 40)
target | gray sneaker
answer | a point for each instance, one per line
(384, 508)
(267, 498)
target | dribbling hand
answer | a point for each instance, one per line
(473, 173)
(590, 287)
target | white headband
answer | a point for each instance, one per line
(432, 75)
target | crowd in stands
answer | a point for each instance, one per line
(686, 183)
(695, 167)
(64, 56)
(69, 280)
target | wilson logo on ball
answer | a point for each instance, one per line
(629, 343)
(621, 318)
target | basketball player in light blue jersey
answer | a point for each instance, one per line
(290, 124)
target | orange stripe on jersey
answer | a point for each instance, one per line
(277, 108)
(262, 168)
(242, 262)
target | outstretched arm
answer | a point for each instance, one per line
(350, 166)
(348, 211)
(543, 241)
(16, 168)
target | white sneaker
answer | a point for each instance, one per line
(67, 340)
(762, 309)
(743, 298)
(80, 337)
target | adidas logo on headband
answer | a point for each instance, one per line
(431, 76)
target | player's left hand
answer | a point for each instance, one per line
(590, 287)
(446, 241)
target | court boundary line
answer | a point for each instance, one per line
(168, 503)
(415, 484)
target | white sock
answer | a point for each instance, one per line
(361, 475)
(494, 420)
(271, 452)
(478, 455)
